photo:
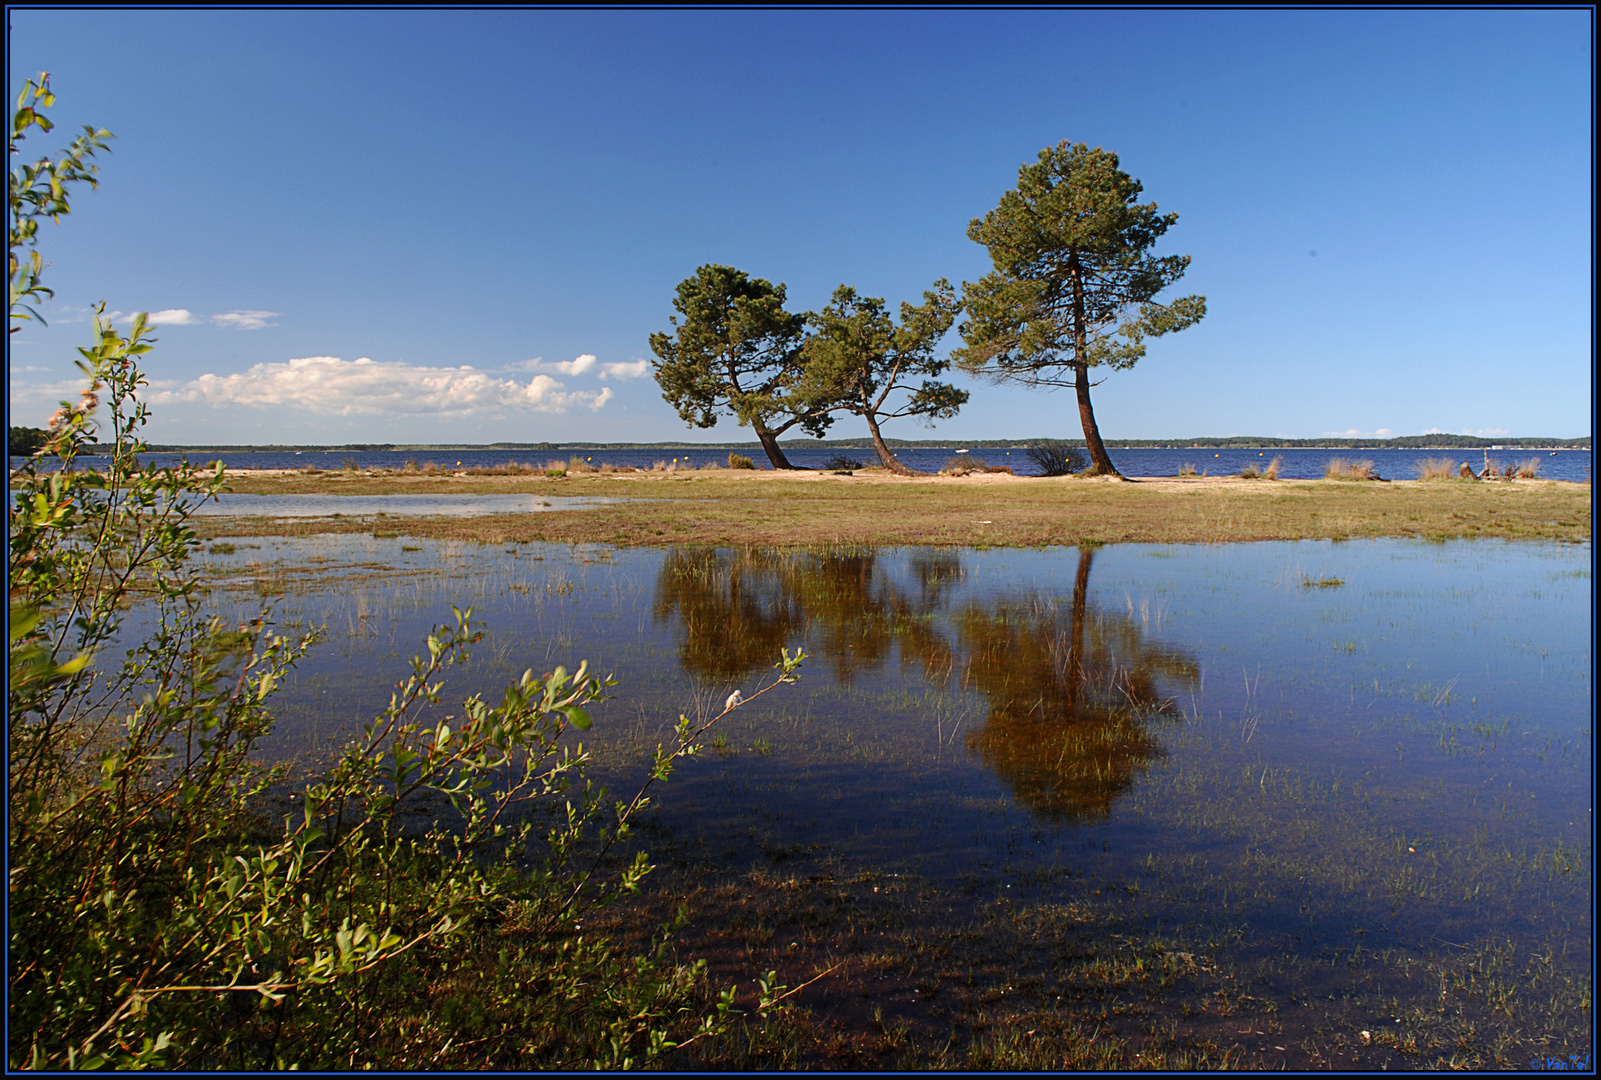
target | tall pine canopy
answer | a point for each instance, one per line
(1074, 285)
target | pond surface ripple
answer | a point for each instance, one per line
(1359, 768)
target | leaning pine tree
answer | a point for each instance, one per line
(736, 351)
(859, 361)
(1074, 285)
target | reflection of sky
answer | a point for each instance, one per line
(1441, 695)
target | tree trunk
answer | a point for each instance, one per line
(1100, 460)
(891, 462)
(775, 453)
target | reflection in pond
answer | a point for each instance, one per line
(1389, 813)
(1070, 694)
(738, 608)
(1070, 688)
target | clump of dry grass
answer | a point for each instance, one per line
(963, 464)
(1188, 469)
(607, 467)
(1270, 471)
(739, 461)
(1340, 469)
(1528, 467)
(1434, 468)
(510, 468)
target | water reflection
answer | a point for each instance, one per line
(1071, 694)
(1071, 689)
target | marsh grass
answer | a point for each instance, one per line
(761, 507)
(1340, 469)
(1270, 471)
(1528, 468)
(1435, 468)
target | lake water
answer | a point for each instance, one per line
(1298, 464)
(1356, 771)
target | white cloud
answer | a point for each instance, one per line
(245, 320)
(329, 385)
(631, 369)
(1353, 433)
(172, 317)
(584, 364)
(576, 366)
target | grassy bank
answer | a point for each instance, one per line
(874, 508)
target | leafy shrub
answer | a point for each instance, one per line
(841, 463)
(1053, 457)
(176, 903)
(740, 461)
(220, 940)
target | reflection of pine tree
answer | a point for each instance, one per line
(1069, 696)
(1070, 687)
(735, 613)
(739, 607)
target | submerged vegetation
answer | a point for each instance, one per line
(1012, 800)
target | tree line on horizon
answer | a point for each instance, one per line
(1074, 288)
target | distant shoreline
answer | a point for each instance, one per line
(1240, 442)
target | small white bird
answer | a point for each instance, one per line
(734, 699)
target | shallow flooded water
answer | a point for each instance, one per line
(1357, 770)
(231, 504)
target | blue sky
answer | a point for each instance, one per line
(517, 193)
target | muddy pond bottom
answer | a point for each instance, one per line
(1345, 786)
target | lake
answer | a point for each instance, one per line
(1351, 780)
(1298, 463)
